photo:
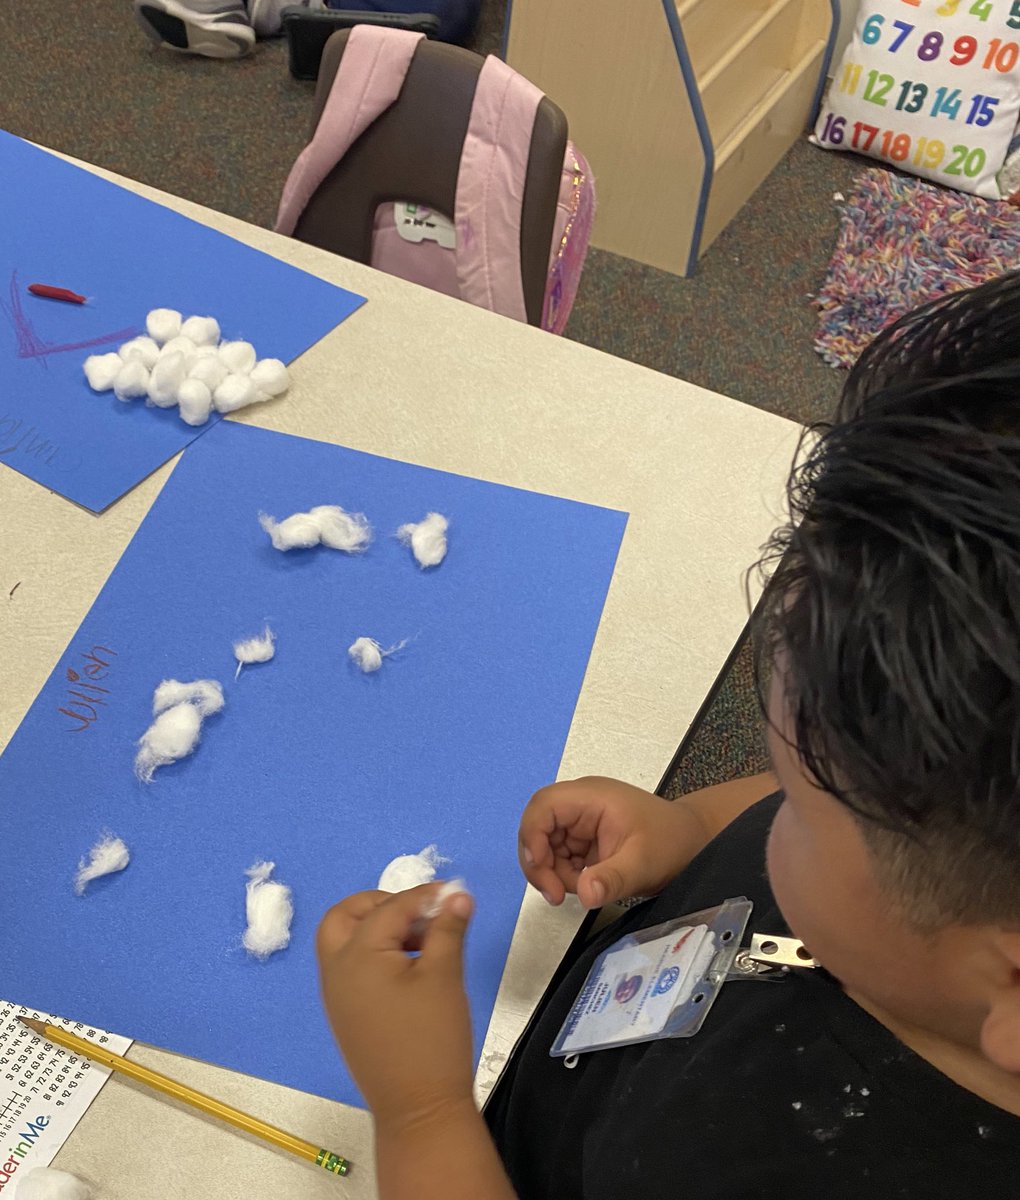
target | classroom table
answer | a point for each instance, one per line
(430, 380)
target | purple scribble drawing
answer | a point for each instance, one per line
(31, 345)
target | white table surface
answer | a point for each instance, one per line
(423, 378)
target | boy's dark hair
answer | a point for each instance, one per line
(895, 602)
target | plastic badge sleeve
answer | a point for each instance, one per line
(658, 983)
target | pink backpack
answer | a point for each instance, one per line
(476, 256)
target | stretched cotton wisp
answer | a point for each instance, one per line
(327, 524)
(108, 855)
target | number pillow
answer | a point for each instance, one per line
(930, 86)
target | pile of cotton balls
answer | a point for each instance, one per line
(183, 363)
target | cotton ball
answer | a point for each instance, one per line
(270, 376)
(109, 854)
(236, 391)
(237, 357)
(205, 694)
(269, 909)
(427, 539)
(450, 888)
(180, 345)
(47, 1183)
(326, 523)
(255, 650)
(195, 401)
(410, 870)
(203, 331)
(165, 381)
(174, 734)
(144, 349)
(367, 653)
(101, 370)
(208, 369)
(162, 324)
(132, 380)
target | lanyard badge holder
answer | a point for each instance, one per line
(661, 982)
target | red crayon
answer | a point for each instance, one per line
(55, 293)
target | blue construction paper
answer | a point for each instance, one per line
(327, 772)
(67, 227)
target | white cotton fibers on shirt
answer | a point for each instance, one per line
(162, 324)
(47, 1183)
(102, 369)
(109, 854)
(179, 709)
(132, 380)
(327, 524)
(270, 911)
(410, 870)
(255, 650)
(427, 539)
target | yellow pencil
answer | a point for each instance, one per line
(333, 1163)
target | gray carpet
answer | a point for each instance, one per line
(80, 77)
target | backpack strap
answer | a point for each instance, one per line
(490, 189)
(371, 74)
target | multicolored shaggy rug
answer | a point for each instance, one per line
(902, 242)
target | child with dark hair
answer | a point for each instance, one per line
(890, 845)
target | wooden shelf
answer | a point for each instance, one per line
(682, 108)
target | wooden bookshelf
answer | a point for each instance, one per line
(682, 107)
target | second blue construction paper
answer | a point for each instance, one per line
(66, 227)
(325, 771)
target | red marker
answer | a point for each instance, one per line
(55, 293)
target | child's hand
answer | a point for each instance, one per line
(604, 840)
(402, 1022)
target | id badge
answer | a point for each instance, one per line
(656, 983)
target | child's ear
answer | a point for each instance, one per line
(1000, 1031)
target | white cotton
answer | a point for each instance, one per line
(450, 888)
(236, 391)
(326, 523)
(410, 870)
(132, 380)
(165, 381)
(194, 401)
(208, 369)
(102, 369)
(162, 324)
(47, 1183)
(109, 854)
(203, 331)
(270, 376)
(205, 694)
(427, 539)
(255, 650)
(269, 909)
(180, 345)
(173, 735)
(368, 654)
(144, 349)
(178, 709)
(237, 357)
